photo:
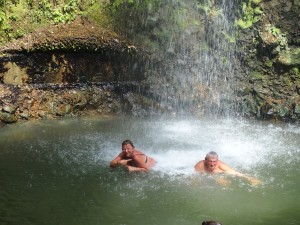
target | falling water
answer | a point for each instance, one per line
(204, 64)
(57, 172)
(195, 40)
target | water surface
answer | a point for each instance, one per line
(56, 172)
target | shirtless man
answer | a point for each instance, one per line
(132, 159)
(211, 164)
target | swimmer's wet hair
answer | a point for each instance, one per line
(211, 153)
(125, 142)
(211, 223)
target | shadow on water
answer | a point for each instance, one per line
(56, 172)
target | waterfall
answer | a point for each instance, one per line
(180, 60)
(193, 64)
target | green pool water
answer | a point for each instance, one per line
(57, 172)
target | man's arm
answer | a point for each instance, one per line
(227, 169)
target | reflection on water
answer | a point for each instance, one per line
(56, 172)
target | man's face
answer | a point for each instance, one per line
(127, 149)
(211, 162)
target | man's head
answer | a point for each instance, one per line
(211, 223)
(211, 154)
(211, 160)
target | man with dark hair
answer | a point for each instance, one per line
(134, 160)
(211, 164)
(211, 223)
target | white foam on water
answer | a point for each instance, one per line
(178, 145)
(176, 162)
(239, 144)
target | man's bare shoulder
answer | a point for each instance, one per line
(200, 166)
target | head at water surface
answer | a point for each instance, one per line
(127, 147)
(211, 160)
(211, 223)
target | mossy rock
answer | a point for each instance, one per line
(8, 118)
(297, 110)
(290, 57)
(249, 106)
(269, 39)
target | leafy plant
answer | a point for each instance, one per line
(65, 14)
(256, 1)
(275, 31)
(251, 14)
(280, 36)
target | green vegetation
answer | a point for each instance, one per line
(296, 72)
(209, 8)
(251, 14)
(18, 17)
(152, 23)
(269, 63)
(156, 24)
(280, 37)
(290, 57)
(256, 76)
(132, 4)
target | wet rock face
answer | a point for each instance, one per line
(78, 68)
(53, 84)
(270, 54)
(47, 85)
(69, 68)
(27, 102)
